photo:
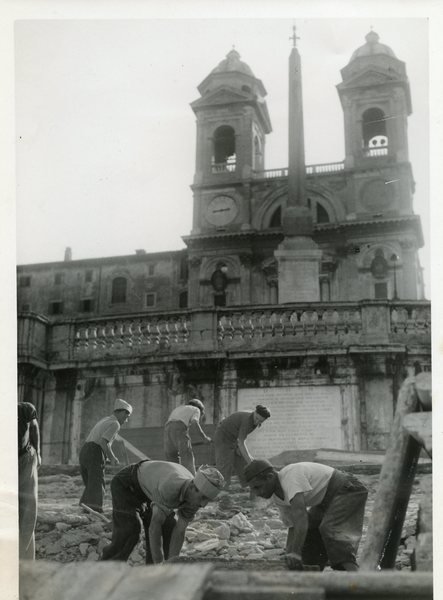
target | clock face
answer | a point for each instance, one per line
(221, 210)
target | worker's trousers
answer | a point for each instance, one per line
(228, 459)
(92, 469)
(335, 526)
(27, 502)
(131, 510)
(178, 446)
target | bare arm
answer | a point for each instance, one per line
(34, 438)
(177, 537)
(241, 445)
(296, 533)
(106, 446)
(196, 425)
(155, 534)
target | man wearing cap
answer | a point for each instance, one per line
(97, 450)
(322, 507)
(231, 453)
(177, 441)
(150, 492)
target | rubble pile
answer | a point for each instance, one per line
(234, 527)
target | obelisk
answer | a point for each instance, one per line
(298, 256)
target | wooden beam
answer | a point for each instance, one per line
(396, 478)
(337, 584)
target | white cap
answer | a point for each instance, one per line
(120, 404)
(209, 481)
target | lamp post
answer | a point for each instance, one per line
(394, 259)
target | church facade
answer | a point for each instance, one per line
(299, 288)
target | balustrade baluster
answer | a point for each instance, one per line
(82, 338)
(156, 333)
(100, 341)
(92, 335)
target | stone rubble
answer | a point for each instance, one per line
(233, 527)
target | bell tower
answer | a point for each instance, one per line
(232, 123)
(376, 102)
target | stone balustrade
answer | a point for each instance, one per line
(320, 169)
(334, 324)
(130, 335)
(293, 323)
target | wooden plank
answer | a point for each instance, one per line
(73, 581)
(390, 584)
(40, 580)
(419, 425)
(423, 387)
(275, 592)
(149, 442)
(396, 478)
(164, 582)
(95, 513)
(33, 575)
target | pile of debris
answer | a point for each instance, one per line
(234, 527)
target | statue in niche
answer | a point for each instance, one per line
(379, 265)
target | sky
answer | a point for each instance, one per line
(105, 136)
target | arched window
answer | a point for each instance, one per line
(224, 150)
(219, 282)
(276, 218)
(183, 300)
(119, 286)
(258, 155)
(375, 139)
(322, 215)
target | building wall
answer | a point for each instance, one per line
(73, 282)
(75, 400)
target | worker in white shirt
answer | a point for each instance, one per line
(177, 441)
(97, 450)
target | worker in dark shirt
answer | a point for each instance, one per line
(231, 453)
(29, 460)
(151, 492)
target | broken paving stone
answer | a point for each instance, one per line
(207, 545)
(75, 538)
(272, 552)
(223, 531)
(53, 549)
(255, 555)
(241, 522)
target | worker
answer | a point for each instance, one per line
(97, 451)
(149, 492)
(29, 460)
(177, 441)
(322, 507)
(231, 453)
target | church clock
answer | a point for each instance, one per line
(221, 210)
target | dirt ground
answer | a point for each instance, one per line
(233, 528)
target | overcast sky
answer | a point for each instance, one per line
(106, 136)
